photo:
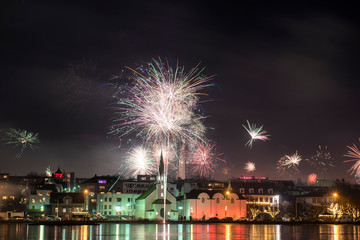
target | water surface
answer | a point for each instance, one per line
(180, 231)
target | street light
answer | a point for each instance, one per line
(226, 194)
(86, 200)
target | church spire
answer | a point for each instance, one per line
(161, 165)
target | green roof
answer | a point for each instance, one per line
(147, 193)
(161, 201)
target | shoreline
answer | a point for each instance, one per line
(61, 223)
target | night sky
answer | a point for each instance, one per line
(292, 68)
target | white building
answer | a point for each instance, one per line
(121, 205)
(151, 204)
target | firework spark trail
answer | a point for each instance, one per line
(353, 153)
(256, 133)
(312, 178)
(48, 172)
(204, 159)
(140, 162)
(322, 160)
(289, 164)
(21, 140)
(250, 167)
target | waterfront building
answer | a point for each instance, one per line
(39, 201)
(201, 204)
(65, 204)
(260, 193)
(117, 205)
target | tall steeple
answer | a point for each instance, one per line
(161, 165)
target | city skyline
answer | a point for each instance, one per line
(291, 70)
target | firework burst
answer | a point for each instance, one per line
(353, 153)
(48, 172)
(140, 162)
(322, 160)
(312, 178)
(256, 133)
(204, 159)
(250, 167)
(289, 164)
(21, 140)
(161, 104)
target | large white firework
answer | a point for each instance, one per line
(140, 162)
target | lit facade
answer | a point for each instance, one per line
(205, 204)
(121, 205)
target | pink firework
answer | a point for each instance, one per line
(354, 154)
(289, 164)
(204, 159)
(312, 178)
(250, 167)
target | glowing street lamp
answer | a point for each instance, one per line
(86, 200)
(226, 194)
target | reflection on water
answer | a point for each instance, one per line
(180, 231)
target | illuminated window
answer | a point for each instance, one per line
(102, 187)
(64, 210)
(48, 194)
(40, 194)
(162, 194)
(33, 200)
(40, 200)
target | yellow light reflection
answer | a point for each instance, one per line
(227, 231)
(336, 232)
(84, 232)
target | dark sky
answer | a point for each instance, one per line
(292, 67)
